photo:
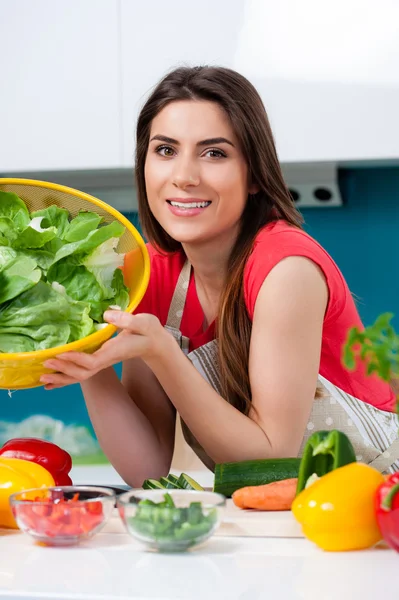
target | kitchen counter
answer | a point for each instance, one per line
(114, 566)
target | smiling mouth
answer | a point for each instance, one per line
(189, 204)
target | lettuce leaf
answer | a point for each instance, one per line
(14, 208)
(53, 216)
(80, 227)
(78, 282)
(29, 339)
(18, 276)
(103, 262)
(34, 235)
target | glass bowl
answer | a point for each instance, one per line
(62, 515)
(171, 520)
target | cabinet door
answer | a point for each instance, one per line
(157, 36)
(59, 98)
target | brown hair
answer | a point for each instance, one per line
(242, 103)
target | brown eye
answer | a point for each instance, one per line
(214, 153)
(165, 151)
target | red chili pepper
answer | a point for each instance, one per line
(50, 456)
(387, 510)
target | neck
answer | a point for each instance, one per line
(209, 261)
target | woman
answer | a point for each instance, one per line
(245, 315)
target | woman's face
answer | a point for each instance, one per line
(196, 176)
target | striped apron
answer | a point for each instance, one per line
(373, 432)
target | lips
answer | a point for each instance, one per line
(188, 203)
(187, 207)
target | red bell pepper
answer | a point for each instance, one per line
(387, 510)
(50, 456)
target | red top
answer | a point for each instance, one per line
(274, 242)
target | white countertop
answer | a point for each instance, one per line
(114, 566)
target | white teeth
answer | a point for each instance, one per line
(190, 204)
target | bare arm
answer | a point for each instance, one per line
(133, 420)
(283, 367)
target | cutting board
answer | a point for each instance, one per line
(240, 523)
(254, 523)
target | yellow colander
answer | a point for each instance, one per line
(24, 369)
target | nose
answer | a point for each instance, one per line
(185, 174)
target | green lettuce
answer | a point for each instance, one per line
(57, 275)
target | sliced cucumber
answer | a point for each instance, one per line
(165, 481)
(173, 479)
(188, 483)
(152, 484)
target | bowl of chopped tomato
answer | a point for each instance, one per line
(64, 515)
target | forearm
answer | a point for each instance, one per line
(224, 433)
(123, 431)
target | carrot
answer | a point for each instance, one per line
(278, 495)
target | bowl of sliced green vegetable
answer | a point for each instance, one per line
(171, 520)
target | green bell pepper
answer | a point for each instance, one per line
(324, 451)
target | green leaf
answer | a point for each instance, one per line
(41, 257)
(79, 321)
(35, 307)
(78, 282)
(93, 240)
(8, 230)
(18, 276)
(34, 236)
(80, 227)
(53, 216)
(30, 339)
(103, 262)
(14, 208)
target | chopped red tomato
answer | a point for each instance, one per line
(60, 517)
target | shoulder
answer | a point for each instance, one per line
(280, 240)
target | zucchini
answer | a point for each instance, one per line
(152, 484)
(230, 477)
(186, 482)
(168, 484)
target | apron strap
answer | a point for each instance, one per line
(385, 460)
(179, 297)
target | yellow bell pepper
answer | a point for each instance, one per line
(337, 511)
(17, 475)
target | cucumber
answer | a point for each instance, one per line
(152, 484)
(168, 484)
(188, 483)
(230, 477)
(173, 478)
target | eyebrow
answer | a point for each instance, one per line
(208, 142)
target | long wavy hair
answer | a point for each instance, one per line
(243, 105)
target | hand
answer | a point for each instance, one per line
(142, 336)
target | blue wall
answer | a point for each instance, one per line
(362, 237)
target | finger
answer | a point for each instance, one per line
(120, 319)
(80, 359)
(57, 379)
(50, 386)
(67, 368)
(139, 324)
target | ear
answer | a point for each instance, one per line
(253, 189)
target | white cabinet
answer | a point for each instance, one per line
(74, 74)
(328, 73)
(60, 85)
(157, 36)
